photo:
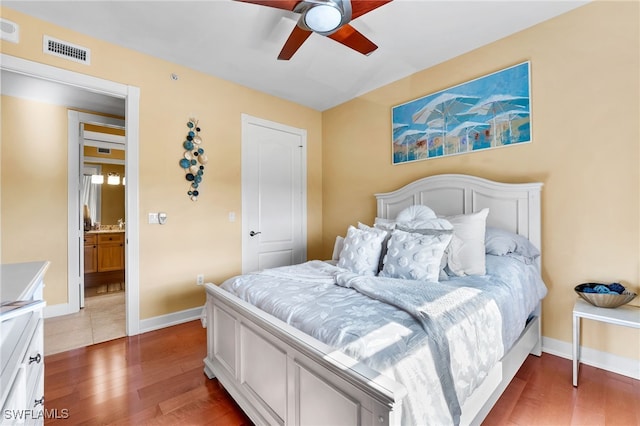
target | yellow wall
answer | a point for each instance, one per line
(198, 238)
(34, 189)
(585, 127)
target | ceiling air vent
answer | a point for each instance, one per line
(66, 50)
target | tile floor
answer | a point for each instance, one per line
(102, 319)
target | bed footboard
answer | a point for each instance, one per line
(281, 376)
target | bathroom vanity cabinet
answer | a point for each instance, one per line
(90, 253)
(103, 257)
(110, 251)
(103, 251)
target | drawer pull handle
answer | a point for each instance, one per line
(35, 359)
(37, 402)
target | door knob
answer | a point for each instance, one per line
(254, 233)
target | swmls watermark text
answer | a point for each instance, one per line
(25, 415)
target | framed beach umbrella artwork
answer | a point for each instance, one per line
(488, 112)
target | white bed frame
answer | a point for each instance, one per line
(281, 376)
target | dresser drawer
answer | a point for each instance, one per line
(33, 360)
(16, 399)
(117, 237)
(25, 404)
(16, 335)
(90, 239)
(36, 401)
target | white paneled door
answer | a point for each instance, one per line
(273, 194)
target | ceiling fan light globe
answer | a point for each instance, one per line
(323, 18)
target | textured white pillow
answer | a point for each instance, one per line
(361, 251)
(466, 252)
(417, 212)
(414, 256)
(383, 248)
(430, 226)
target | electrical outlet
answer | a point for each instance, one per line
(200, 279)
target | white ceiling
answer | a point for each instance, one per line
(239, 42)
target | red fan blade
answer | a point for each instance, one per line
(295, 40)
(350, 37)
(278, 4)
(360, 7)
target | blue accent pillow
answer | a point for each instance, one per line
(500, 242)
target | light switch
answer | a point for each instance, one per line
(153, 218)
(232, 216)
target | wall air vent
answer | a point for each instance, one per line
(104, 150)
(66, 50)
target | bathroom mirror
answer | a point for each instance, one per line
(103, 180)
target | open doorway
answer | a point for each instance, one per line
(102, 183)
(68, 83)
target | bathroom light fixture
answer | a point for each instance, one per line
(97, 179)
(113, 179)
(123, 180)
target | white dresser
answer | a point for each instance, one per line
(22, 343)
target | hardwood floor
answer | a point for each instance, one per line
(542, 394)
(157, 379)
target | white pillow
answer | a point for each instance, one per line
(466, 252)
(430, 223)
(361, 251)
(417, 212)
(414, 256)
(383, 248)
(337, 248)
(429, 226)
(435, 223)
(386, 224)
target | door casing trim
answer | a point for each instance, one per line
(131, 95)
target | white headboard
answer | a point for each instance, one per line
(512, 206)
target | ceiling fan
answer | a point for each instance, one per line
(325, 17)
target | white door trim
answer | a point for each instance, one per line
(131, 94)
(75, 129)
(250, 120)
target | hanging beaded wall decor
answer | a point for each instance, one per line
(194, 159)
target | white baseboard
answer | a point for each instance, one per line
(58, 310)
(168, 320)
(616, 364)
(146, 325)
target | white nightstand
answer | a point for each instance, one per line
(628, 316)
